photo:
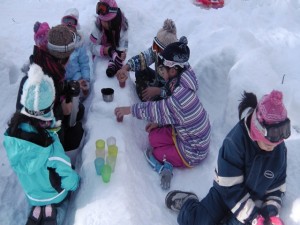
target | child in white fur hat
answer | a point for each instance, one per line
(35, 152)
(78, 66)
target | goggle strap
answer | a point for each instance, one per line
(39, 112)
(258, 124)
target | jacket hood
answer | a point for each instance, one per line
(24, 156)
(189, 80)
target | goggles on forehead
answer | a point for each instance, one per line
(168, 63)
(69, 21)
(64, 48)
(274, 132)
(103, 9)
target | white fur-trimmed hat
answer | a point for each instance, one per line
(38, 95)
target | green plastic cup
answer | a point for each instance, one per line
(106, 173)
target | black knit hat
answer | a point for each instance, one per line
(177, 53)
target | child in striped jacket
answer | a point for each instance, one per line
(179, 127)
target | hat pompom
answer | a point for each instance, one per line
(36, 26)
(183, 40)
(270, 108)
(169, 26)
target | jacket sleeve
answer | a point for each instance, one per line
(84, 64)
(273, 199)
(164, 112)
(62, 165)
(95, 42)
(229, 182)
(141, 61)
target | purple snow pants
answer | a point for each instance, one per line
(164, 147)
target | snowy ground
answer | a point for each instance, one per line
(248, 45)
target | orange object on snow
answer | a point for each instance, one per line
(210, 3)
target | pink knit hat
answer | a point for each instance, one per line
(112, 13)
(41, 34)
(270, 110)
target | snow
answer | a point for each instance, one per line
(247, 45)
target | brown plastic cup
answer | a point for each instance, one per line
(120, 119)
(122, 84)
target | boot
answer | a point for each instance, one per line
(175, 199)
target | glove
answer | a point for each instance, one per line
(165, 181)
(275, 220)
(85, 87)
(166, 175)
(71, 182)
(269, 211)
(116, 57)
(259, 220)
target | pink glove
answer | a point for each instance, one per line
(259, 220)
(275, 220)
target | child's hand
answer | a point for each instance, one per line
(122, 74)
(150, 92)
(122, 111)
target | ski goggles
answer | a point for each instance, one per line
(274, 132)
(168, 63)
(69, 21)
(103, 9)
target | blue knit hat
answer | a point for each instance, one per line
(38, 95)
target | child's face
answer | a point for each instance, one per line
(266, 147)
(162, 71)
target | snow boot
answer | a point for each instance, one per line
(49, 215)
(111, 69)
(35, 216)
(175, 199)
(164, 170)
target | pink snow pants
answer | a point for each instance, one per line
(164, 147)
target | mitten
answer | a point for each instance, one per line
(269, 211)
(71, 182)
(166, 175)
(115, 55)
(259, 220)
(275, 220)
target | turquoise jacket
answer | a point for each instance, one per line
(31, 163)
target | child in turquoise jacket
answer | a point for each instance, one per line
(35, 152)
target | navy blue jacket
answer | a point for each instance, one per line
(248, 178)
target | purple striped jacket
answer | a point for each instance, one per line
(184, 111)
